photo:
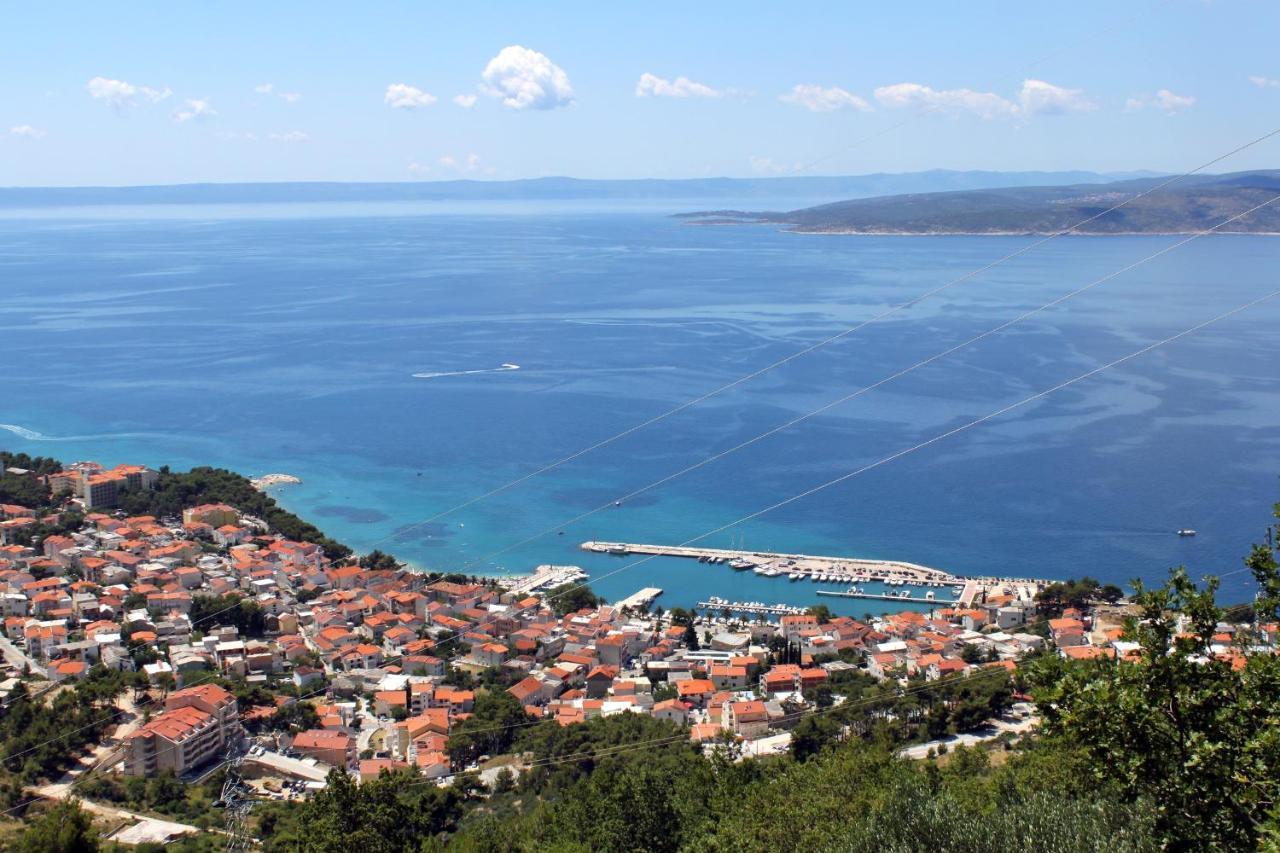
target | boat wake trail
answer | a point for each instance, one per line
(23, 432)
(32, 435)
(503, 369)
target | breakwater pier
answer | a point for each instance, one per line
(776, 564)
(847, 572)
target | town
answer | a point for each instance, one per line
(247, 647)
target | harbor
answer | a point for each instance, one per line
(904, 596)
(793, 566)
(544, 577)
(858, 578)
(755, 608)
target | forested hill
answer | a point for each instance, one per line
(1185, 206)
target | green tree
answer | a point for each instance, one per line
(495, 722)
(1192, 731)
(391, 814)
(377, 560)
(812, 734)
(1058, 596)
(691, 637)
(572, 597)
(64, 828)
(821, 612)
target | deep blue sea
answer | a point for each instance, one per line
(287, 339)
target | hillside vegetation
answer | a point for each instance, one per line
(1186, 206)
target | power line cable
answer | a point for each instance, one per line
(605, 442)
(859, 392)
(920, 445)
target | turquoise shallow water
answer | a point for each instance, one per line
(288, 339)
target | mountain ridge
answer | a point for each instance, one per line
(550, 188)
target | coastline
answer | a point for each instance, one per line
(867, 232)
(266, 481)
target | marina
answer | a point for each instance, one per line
(936, 586)
(757, 608)
(794, 566)
(544, 577)
(903, 596)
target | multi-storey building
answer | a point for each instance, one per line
(197, 725)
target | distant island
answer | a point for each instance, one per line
(1189, 205)
(805, 188)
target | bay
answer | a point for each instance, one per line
(360, 348)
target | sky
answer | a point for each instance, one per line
(102, 93)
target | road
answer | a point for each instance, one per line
(992, 730)
(16, 657)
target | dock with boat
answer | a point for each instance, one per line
(756, 608)
(847, 572)
(793, 566)
(903, 597)
(544, 577)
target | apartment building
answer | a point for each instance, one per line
(197, 725)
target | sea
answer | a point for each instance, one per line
(409, 360)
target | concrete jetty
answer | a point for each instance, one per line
(543, 577)
(643, 598)
(850, 568)
(839, 570)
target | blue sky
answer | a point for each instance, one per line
(149, 92)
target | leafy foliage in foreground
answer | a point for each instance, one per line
(394, 812)
(1191, 726)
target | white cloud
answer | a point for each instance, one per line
(1264, 82)
(1172, 103)
(819, 100)
(120, 94)
(289, 136)
(651, 86)
(402, 96)
(193, 108)
(917, 96)
(1039, 97)
(416, 168)
(1035, 98)
(465, 101)
(270, 89)
(526, 80)
(1164, 100)
(26, 131)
